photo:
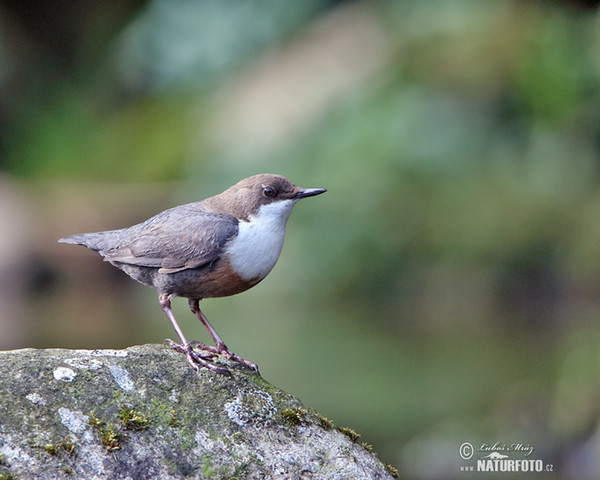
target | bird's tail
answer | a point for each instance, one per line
(99, 241)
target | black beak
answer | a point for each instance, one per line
(310, 192)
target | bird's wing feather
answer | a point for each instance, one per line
(175, 241)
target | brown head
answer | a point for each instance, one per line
(246, 197)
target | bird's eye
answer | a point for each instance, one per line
(269, 191)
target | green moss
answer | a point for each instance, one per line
(294, 416)
(117, 397)
(208, 471)
(187, 440)
(94, 421)
(163, 414)
(6, 475)
(223, 473)
(351, 434)
(51, 448)
(133, 420)
(367, 446)
(325, 423)
(110, 437)
(56, 448)
(393, 471)
(173, 419)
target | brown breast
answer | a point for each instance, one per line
(215, 280)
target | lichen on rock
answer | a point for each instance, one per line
(143, 413)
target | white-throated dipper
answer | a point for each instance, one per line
(217, 247)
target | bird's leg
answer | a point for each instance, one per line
(196, 360)
(220, 345)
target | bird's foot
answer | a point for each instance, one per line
(212, 351)
(221, 349)
(196, 359)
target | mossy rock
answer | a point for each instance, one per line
(143, 412)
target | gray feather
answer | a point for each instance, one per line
(177, 239)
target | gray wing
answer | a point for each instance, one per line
(177, 239)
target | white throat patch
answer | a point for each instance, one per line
(256, 248)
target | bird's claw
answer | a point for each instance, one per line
(204, 359)
(245, 363)
(197, 360)
(222, 349)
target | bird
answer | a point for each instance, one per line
(217, 247)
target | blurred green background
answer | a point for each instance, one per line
(445, 290)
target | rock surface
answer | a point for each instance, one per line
(143, 413)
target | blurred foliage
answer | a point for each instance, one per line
(447, 287)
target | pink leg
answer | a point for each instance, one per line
(220, 345)
(196, 360)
